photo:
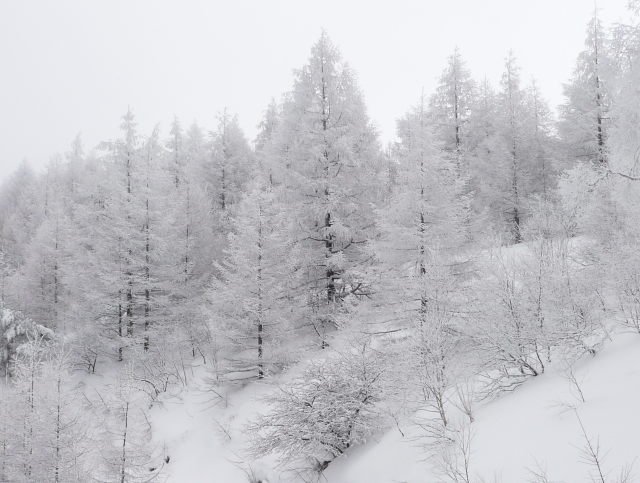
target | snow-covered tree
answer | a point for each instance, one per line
(417, 269)
(231, 162)
(247, 302)
(451, 107)
(195, 241)
(328, 408)
(18, 331)
(585, 118)
(44, 273)
(176, 146)
(21, 210)
(327, 152)
(535, 306)
(46, 437)
(111, 224)
(513, 157)
(126, 453)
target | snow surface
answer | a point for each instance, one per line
(528, 428)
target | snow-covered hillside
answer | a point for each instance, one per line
(534, 428)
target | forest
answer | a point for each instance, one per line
(371, 286)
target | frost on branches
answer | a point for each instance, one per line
(17, 332)
(328, 408)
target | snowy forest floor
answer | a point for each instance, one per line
(534, 429)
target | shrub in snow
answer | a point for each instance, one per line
(126, 452)
(534, 307)
(328, 408)
(17, 334)
(44, 435)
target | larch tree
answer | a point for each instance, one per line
(512, 103)
(176, 146)
(45, 439)
(231, 162)
(157, 231)
(247, 308)
(195, 242)
(126, 453)
(326, 153)
(505, 160)
(44, 272)
(416, 271)
(267, 126)
(22, 210)
(111, 223)
(451, 107)
(541, 142)
(585, 118)
(619, 184)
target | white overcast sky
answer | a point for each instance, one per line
(69, 66)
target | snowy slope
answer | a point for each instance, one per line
(532, 427)
(529, 428)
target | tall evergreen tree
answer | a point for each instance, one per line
(451, 106)
(422, 229)
(231, 162)
(585, 118)
(195, 242)
(247, 302)
(327, 153)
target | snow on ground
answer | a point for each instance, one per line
(533, 427)
(530, 427)
(203, 436)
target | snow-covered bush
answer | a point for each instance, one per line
(328, 408)
(44, 435)
(17, 333)
(126, 453)
(535, 305)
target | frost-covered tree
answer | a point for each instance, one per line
(44, 274)
(231, 162)
(585, 117)
(534, 307)
(513, 178)
(195, 241)
(614, 214)
(452, 105)
(18, 331)
(45, 439)
(111, 224)
(417, 271)
(513, 157)
(326, 152)
(328, 408)
(126, 453)
(540, 143)
(176, 146)
(267, 126)
(247, 303)
(21, 210)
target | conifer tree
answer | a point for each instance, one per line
(112, 222)
(194, 243)
(176, 147)
(421, 230)
(231, 162)
(326, 153)
(126, 454)
(21, 212)
(452, 105)
(507, 171)
(247, 303)
(585, 117)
